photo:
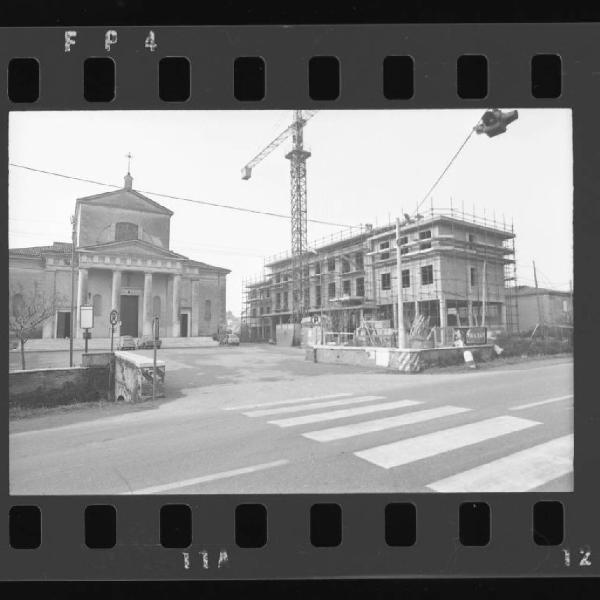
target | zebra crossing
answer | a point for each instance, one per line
(523, 470)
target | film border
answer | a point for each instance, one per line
(361, 50)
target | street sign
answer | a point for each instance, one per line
(156, 328)
(86, 317)
(114, 317)
(473, 335)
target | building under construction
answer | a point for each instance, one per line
(457, 269)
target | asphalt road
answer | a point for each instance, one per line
(261, 419)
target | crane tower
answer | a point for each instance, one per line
(297, 157)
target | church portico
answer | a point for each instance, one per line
(139, 295)
(123, 262)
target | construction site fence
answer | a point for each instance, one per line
(438, 337)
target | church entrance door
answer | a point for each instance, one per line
(129, 315)
(183, 325)
(63, 324)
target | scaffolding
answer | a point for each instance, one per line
(510, 288)
(343, 273)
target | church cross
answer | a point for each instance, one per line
(129, 156)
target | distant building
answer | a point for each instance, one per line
(124, 263)
(555, 307)
(456, 268)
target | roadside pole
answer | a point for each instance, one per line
(113, 319)
(538, 300)
(72, 315)
(155, 325)
(401, 332)
(321, 299)
(483, 294)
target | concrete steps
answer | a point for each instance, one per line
(104, 344)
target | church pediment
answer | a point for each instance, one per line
(132, 248)
(124, 198)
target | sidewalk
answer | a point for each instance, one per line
(103, 344)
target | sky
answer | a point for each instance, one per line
(367, 166)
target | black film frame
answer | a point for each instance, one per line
(361, 50)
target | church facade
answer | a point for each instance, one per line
(123, 262)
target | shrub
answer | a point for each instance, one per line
(519, 345)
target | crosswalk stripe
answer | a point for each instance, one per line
(346, 431)
(431, 444)
(301, 407)
(288, 401)
(540, 402)
(518, 472)
(340, 414)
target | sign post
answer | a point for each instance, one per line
(114, 319)
(401, 332)
(86, 322)
(155, 333)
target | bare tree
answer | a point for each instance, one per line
(28, 311)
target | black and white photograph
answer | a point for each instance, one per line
(290, 301)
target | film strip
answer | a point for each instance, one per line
(304, 513)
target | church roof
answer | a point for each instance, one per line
(197, 263)
(528, 290)
(37, 251)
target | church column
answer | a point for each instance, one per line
(175, 330)
(82, 296)
(116, 291)
(195, 329)
(147, 305)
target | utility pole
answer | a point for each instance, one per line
(483, 294)
(401, 332)
(155, 334)
(571, 300)
(321, 299)
(538, 299)
(72, 319)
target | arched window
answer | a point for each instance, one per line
(207, 311)
(18, 304)
(126, 231)
(97, 303)
(156, 306)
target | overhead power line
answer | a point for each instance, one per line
(182, 198)
(445, 170)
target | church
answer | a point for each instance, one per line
(124, 263)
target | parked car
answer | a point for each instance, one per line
(230, 339)
(147, 341)
(126, 342)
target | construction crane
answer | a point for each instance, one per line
(297, 157)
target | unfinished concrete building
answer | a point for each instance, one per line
(456, 269)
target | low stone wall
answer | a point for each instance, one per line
(395, 359)
(54, 387)
(97, 359)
